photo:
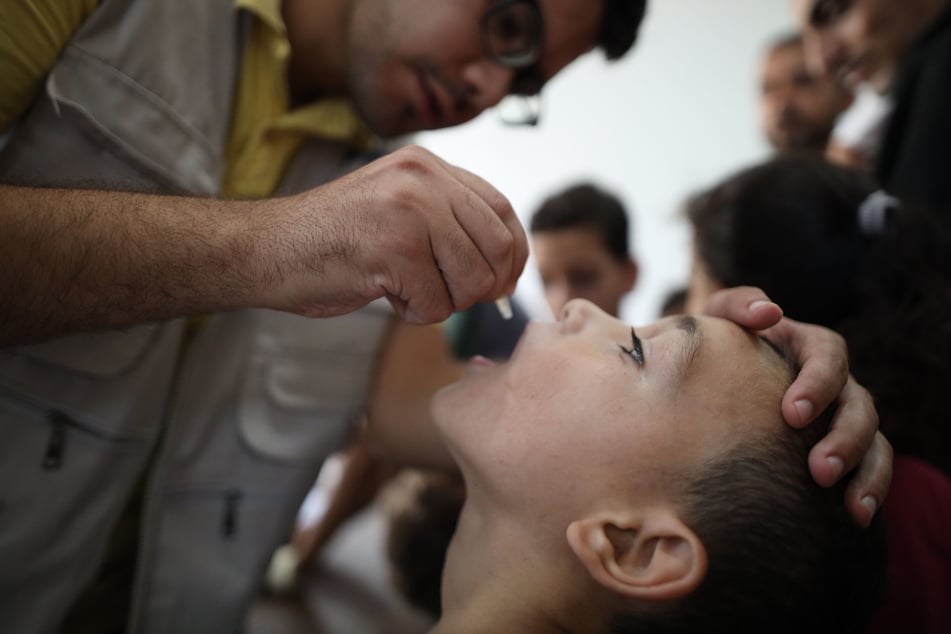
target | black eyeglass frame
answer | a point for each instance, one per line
(826, 12)
(529, 80)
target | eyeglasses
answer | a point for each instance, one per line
(825, 12)
(513, 34)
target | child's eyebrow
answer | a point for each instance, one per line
(782, 354)
(690, 345)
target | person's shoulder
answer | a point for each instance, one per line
(919, 489)
(32, 35)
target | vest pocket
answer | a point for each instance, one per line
(213, 548)
(112, 385)
(298, 409)
(63, 485)
(307, 381)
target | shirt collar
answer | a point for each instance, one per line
(268, 11)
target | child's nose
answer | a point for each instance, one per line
(576, 314)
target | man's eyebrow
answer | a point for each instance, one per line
(824, 12)
(689, 345)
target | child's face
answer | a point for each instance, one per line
(573, 419)
(573, 263)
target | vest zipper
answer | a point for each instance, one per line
(229, 520)
(53, 459)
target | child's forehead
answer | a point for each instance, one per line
(585, 242)
(779, 359)
(585, 232)
(741, 374)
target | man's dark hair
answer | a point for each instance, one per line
(588, 207)
(791, 226)
(620, 25)
(784, 555)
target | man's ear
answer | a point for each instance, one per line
(650, 555)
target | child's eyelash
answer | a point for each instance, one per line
(636, 351)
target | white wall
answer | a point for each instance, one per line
(673, 116)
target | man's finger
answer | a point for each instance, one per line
(868, 489)
(466, 269)
(502, 208)
(745, 305)
(851, 434)
(824, 368)
(420, 296)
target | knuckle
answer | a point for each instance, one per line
(502, 249)
(474, 288)
(445, 312)
(500, 204)
(750, 290)
(402, 243)
(484, 284)
(413, 159)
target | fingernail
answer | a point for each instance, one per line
(757, 304)
(504, 307)
(870, 502)
(836, 465)
(804, 409)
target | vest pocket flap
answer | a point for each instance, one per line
(110, 383)
(296, 409)
(308, 380)
(102, 355)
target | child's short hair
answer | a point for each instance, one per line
(784, 555)
(589, 207)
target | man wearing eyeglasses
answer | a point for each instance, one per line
(902, 49)
(235, 112)
(174, 204)
(798, 107)
(165, 159)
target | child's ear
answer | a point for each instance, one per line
(650, 555)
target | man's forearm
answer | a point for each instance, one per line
(429, 236)
(77, 260)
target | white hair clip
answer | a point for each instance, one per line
(873, 212)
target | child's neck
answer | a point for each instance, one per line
(496, 580)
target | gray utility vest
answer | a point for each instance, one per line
(234, 436)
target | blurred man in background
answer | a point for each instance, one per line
(580, 240)
(900, 48)
(798, 106)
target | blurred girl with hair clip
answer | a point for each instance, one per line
(832, 249)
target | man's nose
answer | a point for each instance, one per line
(782, 97)
(486, 82)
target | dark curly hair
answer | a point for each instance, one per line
(784, 555)
(791, 226)
(619, 26)
(589, 207)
